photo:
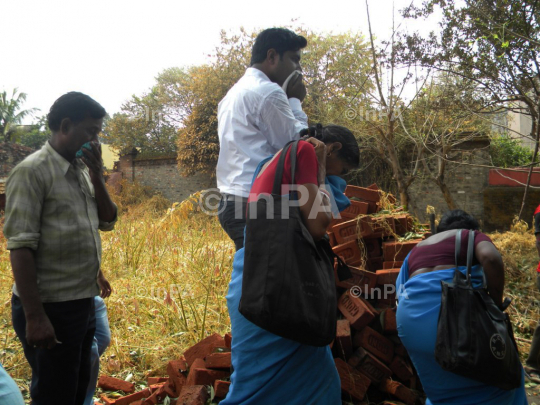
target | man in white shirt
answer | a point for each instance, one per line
(256, 119)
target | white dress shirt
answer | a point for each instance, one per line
(255, 120)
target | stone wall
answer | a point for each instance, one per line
(502, 204)
(162, 175)
(466, 183)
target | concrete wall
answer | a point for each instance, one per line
(162, 175)
(466, 184)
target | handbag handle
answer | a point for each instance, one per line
(470, 254)
(278, 178)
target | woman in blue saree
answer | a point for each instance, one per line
(419, 295)
(269, 369)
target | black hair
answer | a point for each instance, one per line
(75, 106)
(350, 152)
(457, 219)
(280, 39)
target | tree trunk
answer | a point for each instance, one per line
(535, 130)
(446, 194)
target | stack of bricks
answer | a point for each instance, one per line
(372, 363)
(206, 364)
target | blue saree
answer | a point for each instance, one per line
(417, 317)
(269, 369)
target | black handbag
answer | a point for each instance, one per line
(474, 337)
(288, 284)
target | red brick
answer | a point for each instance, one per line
(228, 340)
(335, 221)
(200, 375)
(388, 320)
(355, 209)
(177, 370)
(369, 365)
(156, 380)
(355, 310)
(388, 276)
(203, 348)
(106, 400)
(353, 382)
(155, 387)
(221, 388)
(157, 396)
(397, 251)
(364, 279)
(373, 247)
(392, 265)
(374, 264)
(193, 395)
(372, 197)
(375, 343)
(332, 238)
(400, 350)
(401, 368)
(127, 400)
(399, 391)
(346, 231)
(218, 360)
(115, 384)
(349, 252)
(343, 342)
(404, 223)
(388, 300)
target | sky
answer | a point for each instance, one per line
(113, 49)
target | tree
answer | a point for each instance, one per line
(494, 43)
(35, 135)
(142, 124)
(336, 72)
(11, 113)
(438, 121)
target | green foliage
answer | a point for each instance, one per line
(508, 152)
(34, 136)
(11, 114)
(144, 123)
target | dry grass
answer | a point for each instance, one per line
(170, 271)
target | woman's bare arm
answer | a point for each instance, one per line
(490, 259)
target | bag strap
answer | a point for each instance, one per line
(278, 178)
(470, 255)
(458, 247)
(457, 253)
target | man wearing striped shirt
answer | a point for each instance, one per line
(55, 205)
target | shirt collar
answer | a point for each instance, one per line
(59, 159)
(251, 71)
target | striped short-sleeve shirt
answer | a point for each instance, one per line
(51, 209)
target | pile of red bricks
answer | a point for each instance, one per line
(372, 363)
(205, 364)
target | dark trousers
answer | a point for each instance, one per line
(232, 217)
(534, 353)
(60, 375)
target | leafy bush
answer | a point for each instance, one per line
(508, 152)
